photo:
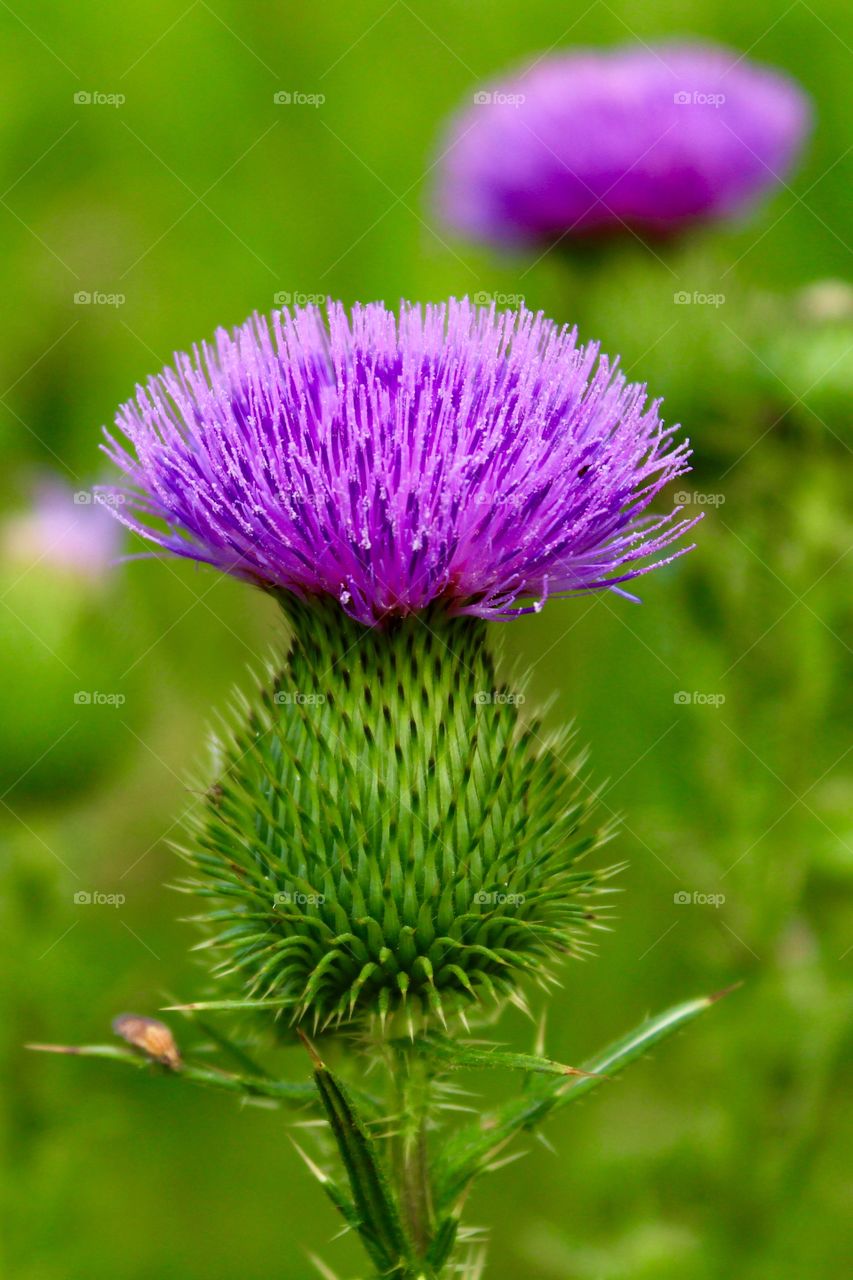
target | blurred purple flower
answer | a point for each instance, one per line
(449, 453)
(66, 530)
(635, 138)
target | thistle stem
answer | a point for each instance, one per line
(411, 1160)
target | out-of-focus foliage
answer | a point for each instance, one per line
(717, 709)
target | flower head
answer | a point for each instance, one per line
(65, 531)
(446, 453)
(634, 138)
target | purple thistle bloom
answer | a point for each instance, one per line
(594, 141)
(449, 453)
(64, 531)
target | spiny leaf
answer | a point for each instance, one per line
(379, 1222)
(453, 1054)
(442, 1243)
(296, 1093)
(342, 1203)
(220, 1006)
(470, 1150)
(231, 1048)
(287, 1091)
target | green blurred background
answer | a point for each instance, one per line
(199, 199)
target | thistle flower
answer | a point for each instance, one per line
(446, 454)
(646, 139)
(385, 831)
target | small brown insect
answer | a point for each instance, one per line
(152, 1037)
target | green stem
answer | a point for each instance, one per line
(411, 1151)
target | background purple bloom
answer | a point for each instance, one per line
(449, 452)
(63, 530)
(634, 137)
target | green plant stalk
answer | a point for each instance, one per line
(414, 1092)
(388, 847)
(407, 1217)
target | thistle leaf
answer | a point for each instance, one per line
(231, 1049)
(226, 1006)
(470, 1150)
(340, 1200)
(377, 1217)
(443, 1241)
(455, 1055)
(295, 1093)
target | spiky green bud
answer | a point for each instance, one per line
(385, 830)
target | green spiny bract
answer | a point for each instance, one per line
(385, 832)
